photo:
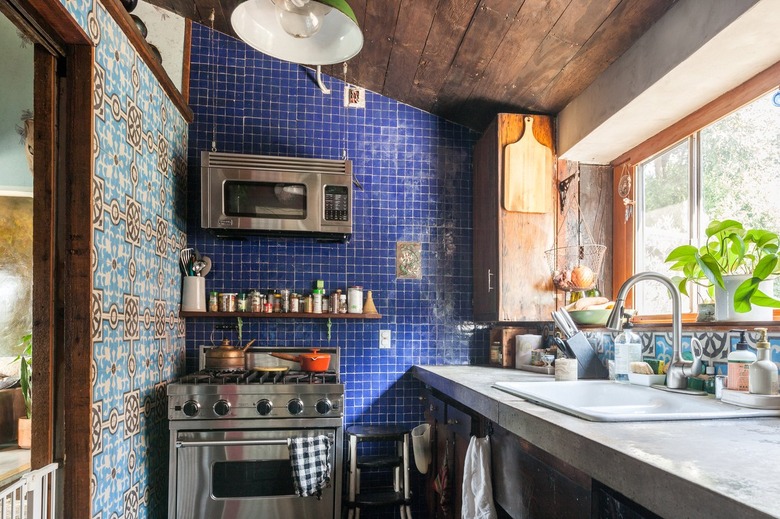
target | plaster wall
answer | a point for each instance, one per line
(696, 52)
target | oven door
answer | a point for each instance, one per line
(245, 474)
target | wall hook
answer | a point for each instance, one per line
(563, 189)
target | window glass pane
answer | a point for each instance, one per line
(665, 222)
(740, 164)
(742, 151)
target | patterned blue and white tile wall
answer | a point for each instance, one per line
(716, 344)
(138, 193)
(416, 172)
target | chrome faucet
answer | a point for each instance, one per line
(678, 370)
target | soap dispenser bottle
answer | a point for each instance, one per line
(763, 372)
(739, 361)
(628, 349)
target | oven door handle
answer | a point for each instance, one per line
(233, 443)
(229, 443)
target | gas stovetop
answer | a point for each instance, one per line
(270, 388)
(258, 376)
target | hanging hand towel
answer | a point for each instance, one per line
(310, 459)
(442, 483)
(477, 483)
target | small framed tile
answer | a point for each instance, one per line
(408, 260)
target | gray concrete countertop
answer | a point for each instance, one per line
(696, 468)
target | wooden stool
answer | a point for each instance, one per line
(399, 464)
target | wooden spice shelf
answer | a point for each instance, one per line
(278, 315)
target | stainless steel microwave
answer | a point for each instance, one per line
(245, 195)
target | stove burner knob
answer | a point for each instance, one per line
(191, 408)
(222, 407)
(295, 406)
(324, 406)
(264, 407)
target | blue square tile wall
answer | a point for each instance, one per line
(415, 169)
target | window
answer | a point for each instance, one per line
(729, 169)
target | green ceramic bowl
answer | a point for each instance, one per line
(598, 317)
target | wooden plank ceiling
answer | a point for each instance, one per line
(466, 60)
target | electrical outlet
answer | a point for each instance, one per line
(384, 339)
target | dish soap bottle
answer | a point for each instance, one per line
(739, 364)
(763, 372)
(628, 349)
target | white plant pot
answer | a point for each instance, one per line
(724, 301)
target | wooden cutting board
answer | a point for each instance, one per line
(528, 174)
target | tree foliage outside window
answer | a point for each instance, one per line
(734, 166)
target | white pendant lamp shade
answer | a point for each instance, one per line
(310, 32)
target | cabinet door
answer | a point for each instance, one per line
(435, 416)
(528, 483)
(485, 216)
(512, 280)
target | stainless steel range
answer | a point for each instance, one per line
(230, 432)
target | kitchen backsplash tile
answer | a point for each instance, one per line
(415, 169)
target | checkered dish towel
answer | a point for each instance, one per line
(310, 459)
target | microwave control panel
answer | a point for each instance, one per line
(337, 203)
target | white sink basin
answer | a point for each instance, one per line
(605, 401)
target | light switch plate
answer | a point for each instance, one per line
(384, 339)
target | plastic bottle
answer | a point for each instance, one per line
(740, 360)
(709, 382)
(763, 372)
(628, 349)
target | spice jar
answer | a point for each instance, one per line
(295, 303)
(307, 304)
(334, 301)
(242, 302)
(355, 300)
(316, 295)
(227, 302)
(342, 303)
(255, 302)
(213, 302)
(285, 300)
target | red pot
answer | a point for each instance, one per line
(309, 361)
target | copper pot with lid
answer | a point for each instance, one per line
(227, 356)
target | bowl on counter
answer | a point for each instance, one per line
(598, 317)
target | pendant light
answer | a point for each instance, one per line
(310, 32)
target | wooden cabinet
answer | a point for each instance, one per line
(452, 429)
(512, 280)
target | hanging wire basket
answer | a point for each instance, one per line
(575, 267)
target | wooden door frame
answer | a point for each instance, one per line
(62, 245)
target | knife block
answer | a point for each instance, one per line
(589, 366)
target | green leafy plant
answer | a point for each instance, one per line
(730, 249)
(25, 372)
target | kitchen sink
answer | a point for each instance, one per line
(606, 401)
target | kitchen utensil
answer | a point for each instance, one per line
(186, 258)
(569, 321)
(207, 268)
(227, 356)
(198, 266)
(525, 189)
(309, 361)
(562, 324)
